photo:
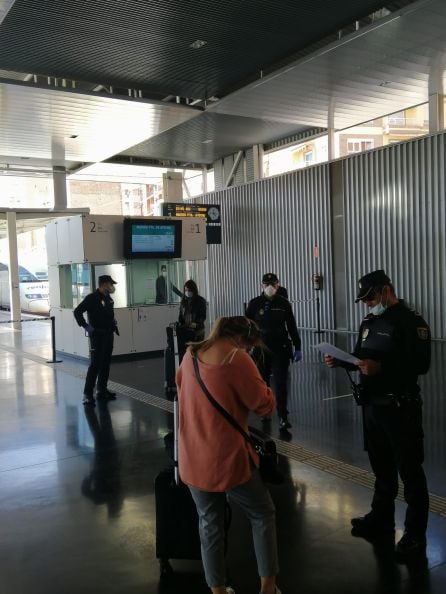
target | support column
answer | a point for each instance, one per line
(204, 173)
(436, 112)
(233, 169)
(331, 144)
(13, 264)
(257, 153)
(60, 188)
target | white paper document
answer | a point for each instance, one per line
(332, 351)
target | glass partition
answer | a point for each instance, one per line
(158, 282)
(75, 284)
(80, 282)
(139, 282)
(118, 273)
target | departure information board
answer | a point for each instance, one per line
(210, 212)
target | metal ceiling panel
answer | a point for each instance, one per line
(65, 126)
(5, 7)
(210, 136)
(379, 70)
(146, 44)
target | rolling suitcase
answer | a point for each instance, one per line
(176, 522)
(170, 360)
(177, 534)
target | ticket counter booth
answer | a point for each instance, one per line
(82, 248)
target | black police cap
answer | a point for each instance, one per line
(371, 281)
(270, 278)
(106, 278)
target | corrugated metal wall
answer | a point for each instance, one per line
(273, 225)
(395, 218)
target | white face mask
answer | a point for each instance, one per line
(379, 308)
(188, 294)
(270, 291)
(111, 289)
(164, 273)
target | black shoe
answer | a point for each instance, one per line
(410, 548)
(284, 423)
(88, 400)
(371, 527)
(106, 395)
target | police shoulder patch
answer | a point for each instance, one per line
(423, 333)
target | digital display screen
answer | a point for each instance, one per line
(152, 239)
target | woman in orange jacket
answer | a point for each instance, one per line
(214, 459)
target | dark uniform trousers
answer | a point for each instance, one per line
(275, 362)
(394, 441)
(101, 348)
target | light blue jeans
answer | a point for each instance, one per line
(255, 500)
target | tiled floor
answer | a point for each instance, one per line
(76, 489)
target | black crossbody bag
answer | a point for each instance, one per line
(264, 446)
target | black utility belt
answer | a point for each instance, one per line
(393, 400)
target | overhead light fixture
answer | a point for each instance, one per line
(198, 43)
(207, 141)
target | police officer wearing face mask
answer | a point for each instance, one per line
(275, 318)
(190, 327)
(101, 327)
(393, 348)
(161, 286)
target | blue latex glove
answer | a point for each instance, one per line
(297, 356)
(89, 329)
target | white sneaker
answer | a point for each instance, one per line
(230, 590)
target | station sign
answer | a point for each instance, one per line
(210, 212)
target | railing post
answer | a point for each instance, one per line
(318, 316)
(53, 341)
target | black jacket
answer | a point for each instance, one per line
(99, 310)
(400, 339)
(276, 321)
(193, 310)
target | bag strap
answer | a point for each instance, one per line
(218, 406)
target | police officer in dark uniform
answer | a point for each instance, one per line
(100, 328)
(275, 318)
(393, 348)
(191, 317)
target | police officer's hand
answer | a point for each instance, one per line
(89, 329)
(331, 361)
(369, 366)
(115, 328)
(297, 356)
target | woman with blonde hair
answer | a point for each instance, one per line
(215, 461)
